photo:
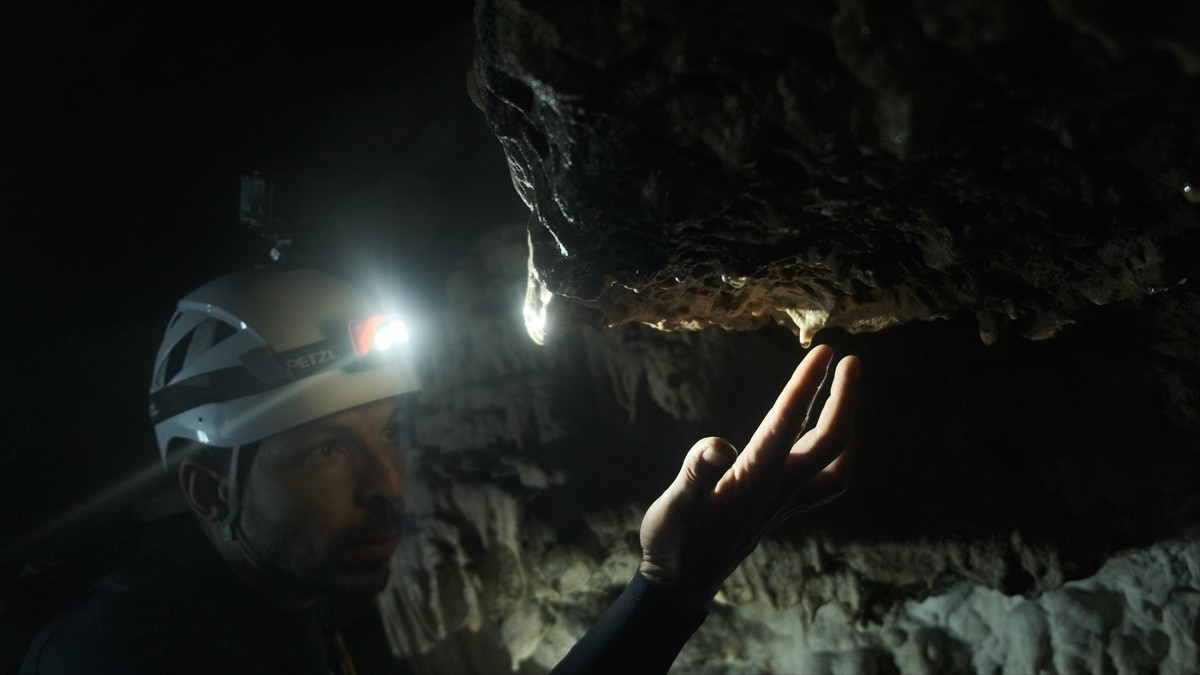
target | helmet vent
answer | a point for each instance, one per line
(206, 335)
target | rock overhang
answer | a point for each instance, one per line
(855, 165)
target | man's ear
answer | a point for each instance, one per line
(206, 490)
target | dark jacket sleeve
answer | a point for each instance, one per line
(642, 632)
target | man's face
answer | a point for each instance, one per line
(323, 500)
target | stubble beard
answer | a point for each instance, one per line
(310, 560)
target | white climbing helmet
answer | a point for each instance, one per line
(257, 352)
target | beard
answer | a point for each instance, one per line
(353, 561)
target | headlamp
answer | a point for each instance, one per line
(377, 333)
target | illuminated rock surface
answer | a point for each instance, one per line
(988, 478)
(852, 164)
(896, 182)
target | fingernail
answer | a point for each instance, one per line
(714, 457)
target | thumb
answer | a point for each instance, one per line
(703, 467)
(709, 459)
(670, 519)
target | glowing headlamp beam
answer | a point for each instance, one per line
(377, 333)
(389, 334)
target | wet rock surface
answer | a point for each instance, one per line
(854, 164)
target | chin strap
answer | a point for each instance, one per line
(231, 525)
(231, 531)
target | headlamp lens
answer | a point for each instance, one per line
(378, 333)
(389, 334)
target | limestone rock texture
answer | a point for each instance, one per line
(1029, 506)
(856, 164)
(996, 205)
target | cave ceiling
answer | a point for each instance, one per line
(856, 164)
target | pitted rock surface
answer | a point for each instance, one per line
(855, 164)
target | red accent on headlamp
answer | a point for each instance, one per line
(363, 331)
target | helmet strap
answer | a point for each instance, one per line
(231, 526)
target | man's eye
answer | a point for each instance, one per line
(328, 450)
(392, 432)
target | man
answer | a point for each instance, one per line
(281, 399)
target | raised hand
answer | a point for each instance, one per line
(714, 513)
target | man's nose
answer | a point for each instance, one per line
(384, 477)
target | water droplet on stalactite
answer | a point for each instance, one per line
(734, 282)
(1192, 193)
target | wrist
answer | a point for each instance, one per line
(667, 579)
(660, 575)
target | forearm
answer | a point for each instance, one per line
(641, 632)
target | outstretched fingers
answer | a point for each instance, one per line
(721, 502)
(768, 448)
(831, 435)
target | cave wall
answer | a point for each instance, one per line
(995, 205)
(1020, 506)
